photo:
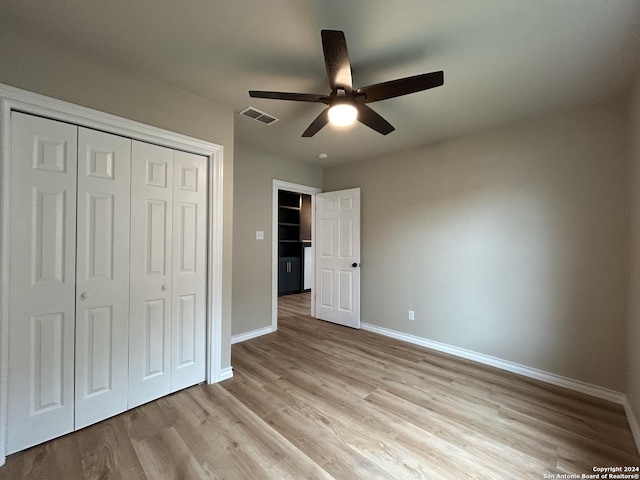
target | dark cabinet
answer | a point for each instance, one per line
(289, 275)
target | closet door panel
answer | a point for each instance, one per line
(102, 309)
(151, 268)
(42, 280)
(189, 270)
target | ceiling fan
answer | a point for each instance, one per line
(346, 104)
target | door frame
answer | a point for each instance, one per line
(297, 188)
(12, 98)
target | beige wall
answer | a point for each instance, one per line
(633, 332)
(512, 243)
(36, 66)
(253, 186)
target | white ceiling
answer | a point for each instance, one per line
(503, 60)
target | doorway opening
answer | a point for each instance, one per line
(294, 243)
(292, 259)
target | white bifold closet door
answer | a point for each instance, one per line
(41, 281)
(188, 342)
(107, 282)
(68, 328)
(102, 276)
(168, 272)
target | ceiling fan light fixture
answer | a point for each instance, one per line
(343, 114)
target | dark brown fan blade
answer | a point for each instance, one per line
(336, 58)
(402, 86)
(297, 97)
(373, 120)
(320, 121)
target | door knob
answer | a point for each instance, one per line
(354, 264)
(163, 288)
(84, 295)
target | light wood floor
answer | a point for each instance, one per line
(319, 401)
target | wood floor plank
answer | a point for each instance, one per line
(102, 454)
(319, 401)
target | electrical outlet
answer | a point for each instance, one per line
(412, 315)
(259, 235)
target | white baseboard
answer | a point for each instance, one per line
(633, 422)
(225, 374)
(552, 378)
(243, 337)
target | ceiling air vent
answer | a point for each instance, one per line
(258, 116)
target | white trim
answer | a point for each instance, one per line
(243, 337)
(4, 272)
(633, 422)
(552, 378)
(22, 100)
(292, 187)
(225, 373)
(12, 98)
(214, 297)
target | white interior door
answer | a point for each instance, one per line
(150, 270)
(102, 276)
(337, 255)
(42, 280)
(189, 280)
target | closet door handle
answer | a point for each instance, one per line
(164, 288)
(85, 295)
